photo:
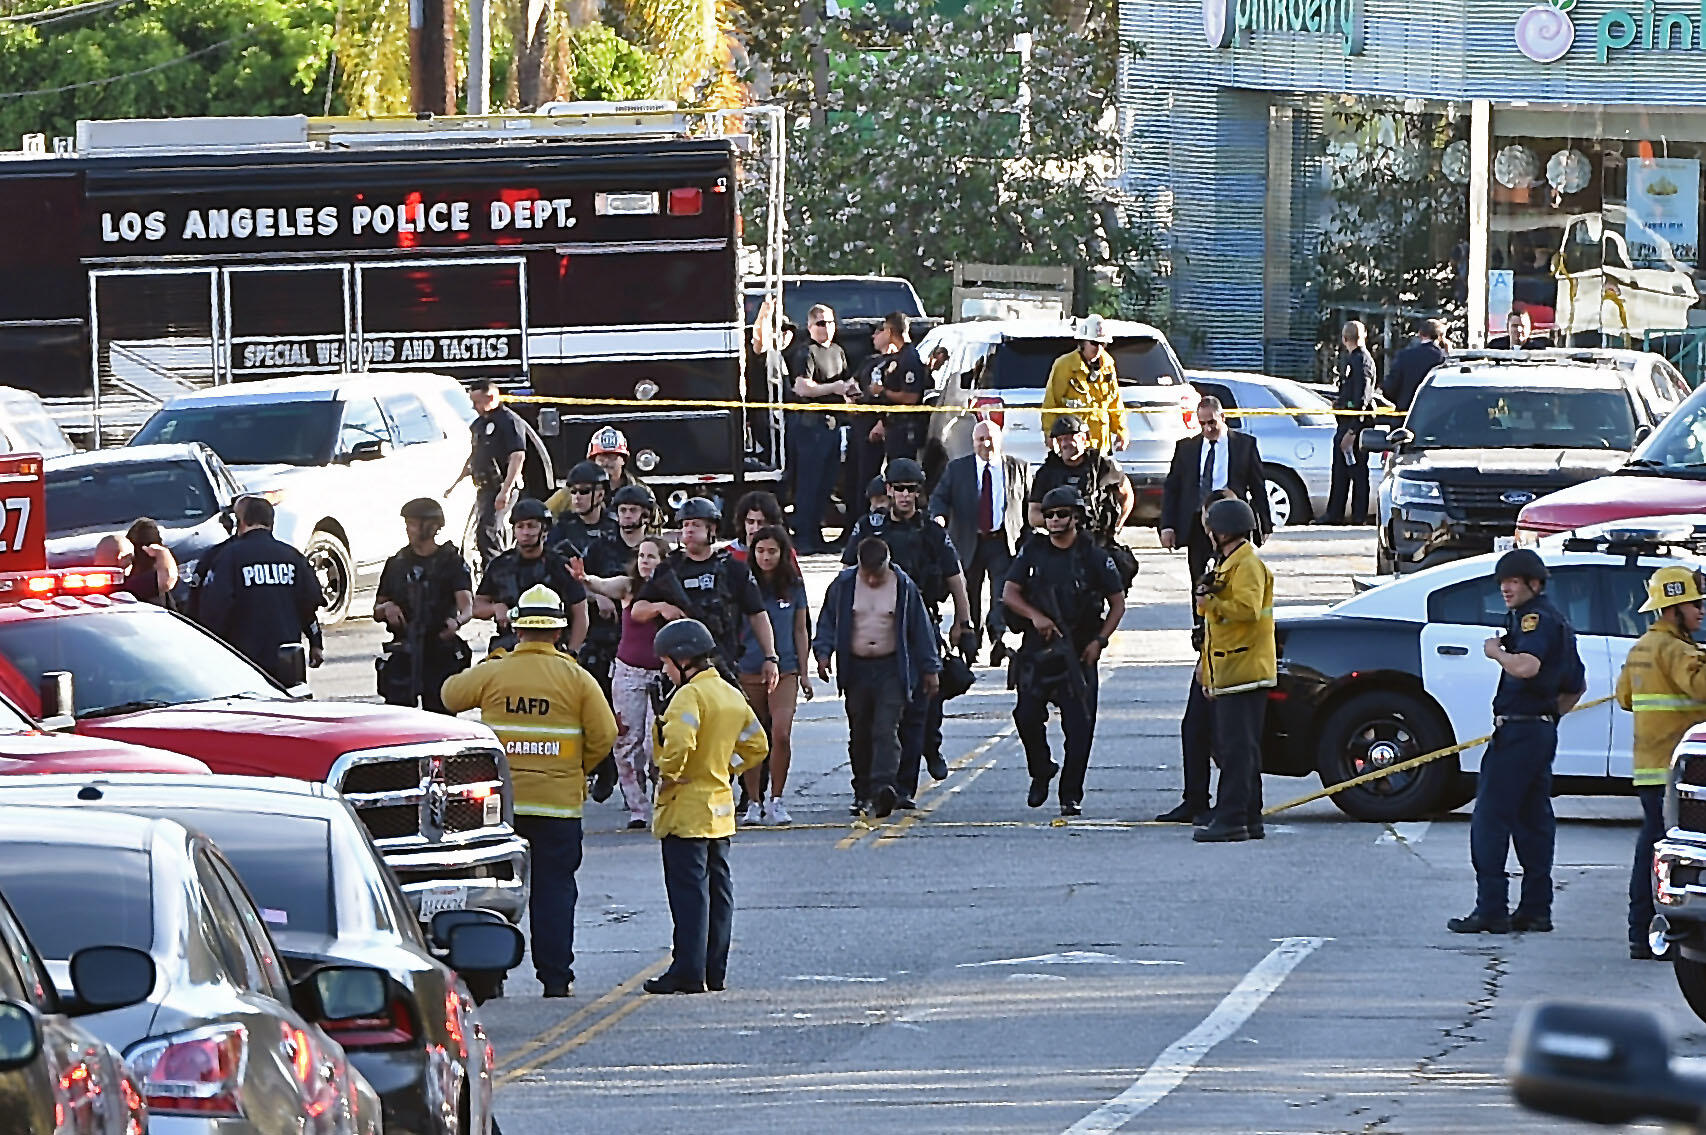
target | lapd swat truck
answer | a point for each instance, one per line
(590, 251)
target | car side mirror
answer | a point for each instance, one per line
(1600, 1064)
(446, 921)
(1642, 433)
(371, 449)
(1375, 440)
(58, 701)
(293, 664)
(111, 977)
(344, 993)
(20, 1036)
(484, 948)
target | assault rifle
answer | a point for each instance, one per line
(1060, 653)
(411, 644)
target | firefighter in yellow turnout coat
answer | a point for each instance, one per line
(1664, 683)
(707, 734)
(555, 727)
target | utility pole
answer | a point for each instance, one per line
(479, 58)
(432, 56)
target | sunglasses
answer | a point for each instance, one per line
(581, 490)
(824, 323)
(903, 488)
(1057, 514)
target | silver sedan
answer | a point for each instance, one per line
(1296, 439)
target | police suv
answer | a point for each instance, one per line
(1398, 671)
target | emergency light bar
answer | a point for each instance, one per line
(59, 581)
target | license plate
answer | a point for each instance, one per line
(494, 813)
(440, 899)
(1503, 543)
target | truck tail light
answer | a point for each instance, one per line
(686, 202)
(990, 410)
(394, 1029)
(1188, 399)
(194, 1073)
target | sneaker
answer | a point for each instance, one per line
(1070, 808)
(754, 814)
(635, 823)
(779, 814)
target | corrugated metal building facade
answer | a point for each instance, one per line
(1225, 143)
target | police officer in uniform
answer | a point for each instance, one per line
(708, 584)
(925, 553)
(426, 597)
(262, 594)
(706, 735)
(1664, 683)
(497, 452)
(587, 519)
(1069, 575)
(524, 565)
(1541, 678)
(1102, 485)
(555, 727)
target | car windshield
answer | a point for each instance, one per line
(1503, 417)
(263, 433)
(1314, 410)
(176, 493)
(1022, 364)
(849, 299)
(34, 429)
(128, 658)
(284, 861)
(69, 897)
(1680, 440)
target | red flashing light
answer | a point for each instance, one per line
(40, 584)
(686, 202)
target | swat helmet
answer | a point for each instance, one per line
(1063, 496)
(634, 494)
(588, 473)
(698, 508)
(529, 508)
(424, 508)
(1231, 518)
(1521, 563)
(903, 471)
(684, 640)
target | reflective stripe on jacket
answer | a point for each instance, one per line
(709, 732)
(1070, 391)
(1664, 683)
(549, 715)
(1238, 626)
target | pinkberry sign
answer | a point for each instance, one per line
(1546, 31)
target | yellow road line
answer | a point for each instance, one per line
(521, 1061)
(571, 1044)
(895, 831)
(958, 764)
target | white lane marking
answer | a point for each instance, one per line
(1410, 833)
(1035, 977)
(1069, 958)
(839, 977)
(1184, 1054)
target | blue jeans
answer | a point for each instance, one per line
(555, 845)
(702, 905)
(1641, 876)
(1513, 805)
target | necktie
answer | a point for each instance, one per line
(986, 503)
(1205, 485)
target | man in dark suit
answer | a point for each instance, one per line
(1357, 383)
(1519, 335)
(1218, 458)
(1409, 366)
(981, 499)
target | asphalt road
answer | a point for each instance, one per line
(978, 968)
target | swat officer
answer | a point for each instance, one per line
(706, 735)
(1101, 483)
(1664, 683)
(925, 552)
(1069, 592)
(524, 565)
(262, 594)
(708, 584)
(587, 519)
(426, 597)
(1541, 678)
(555, 727)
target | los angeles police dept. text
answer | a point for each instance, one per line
(329, 220)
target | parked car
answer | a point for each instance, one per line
(57, 1077)
(1665, 475)
(999, 368)
(435, 791)
(1491, 431)
(1679, 872)
(1295, 437)
(328, 900)
(338, 455)
(1398, 671)
(185, 487)
(27, 427)
(216, 1040)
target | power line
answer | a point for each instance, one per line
(248, 34)
(47, 16)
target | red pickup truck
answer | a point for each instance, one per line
(434, 791)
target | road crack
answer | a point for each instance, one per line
(1462, 1035)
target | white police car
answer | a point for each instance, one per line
(1398, 670)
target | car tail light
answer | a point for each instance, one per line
(194, 1073)
(990, 410)
(686, 202)
(1188, 399)
(316, 1075)
(453, 1023)
(395, 1028)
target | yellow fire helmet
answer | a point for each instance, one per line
(540, 609)
(1672, 585)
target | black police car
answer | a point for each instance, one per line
(1398, 671)
(1491, 431)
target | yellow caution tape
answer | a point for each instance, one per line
(869, 408)
(1402, 766)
